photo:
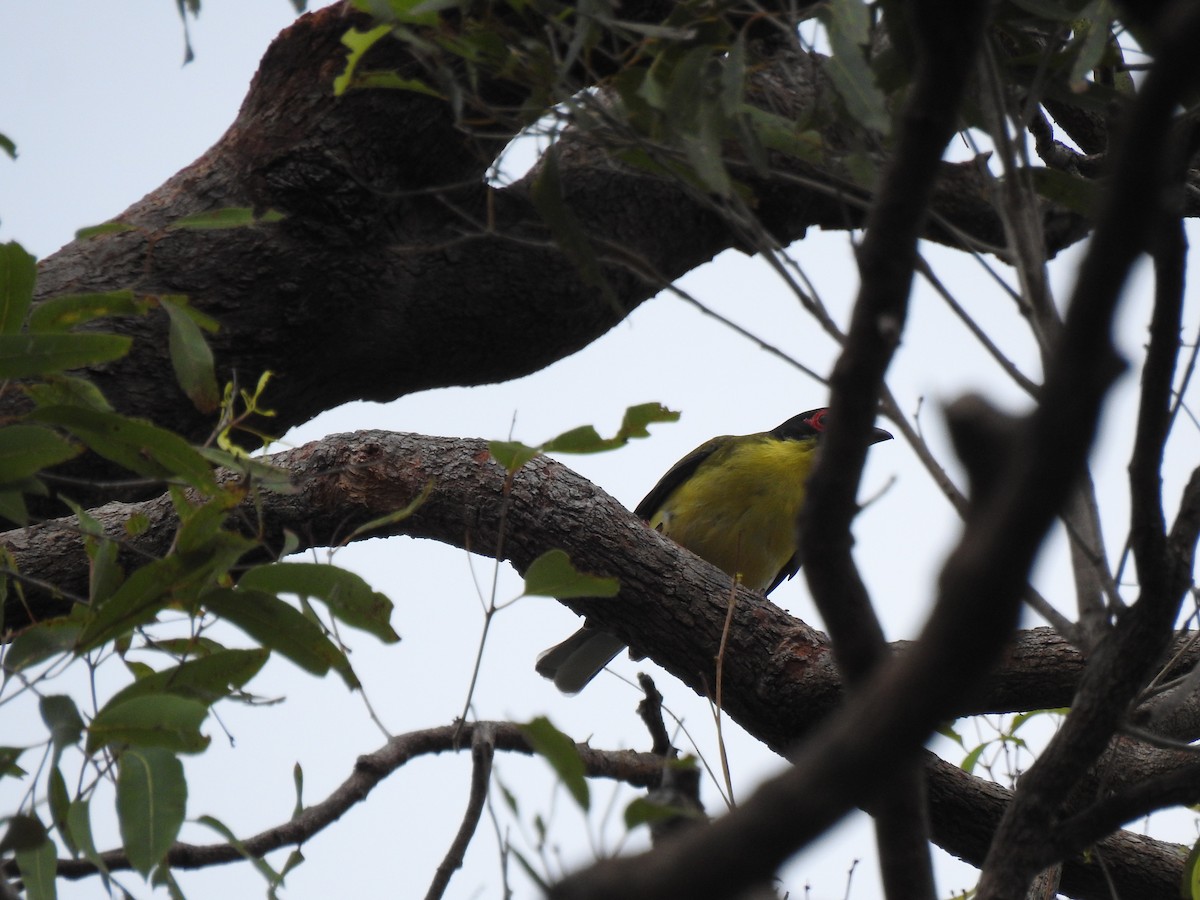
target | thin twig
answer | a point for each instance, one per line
(638, 769)
(483, 749)
(717, 697)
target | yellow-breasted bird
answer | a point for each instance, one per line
(732, 501)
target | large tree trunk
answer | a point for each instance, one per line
(397, 266)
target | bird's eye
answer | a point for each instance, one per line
(818, 420)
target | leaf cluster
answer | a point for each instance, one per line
(137, 608)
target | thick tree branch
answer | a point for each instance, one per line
(345, 481)
(397, 268)
(780, 680)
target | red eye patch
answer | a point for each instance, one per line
(817, 420)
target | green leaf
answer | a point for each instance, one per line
(152, 720)
(137, 601)
(584, 439)
(24, 832)
(1077, 194)
(60, 803)
(562, 754)
(26, 355)
(192, 358)
(704, 152)
(151, 801)
(1091, 37)
(7, 145)
(200, 526)
(39, 868)
(162, 877)
(533, 874)
(8, 762)
(298, 781)
(79, 820)
(359, 42)
(197, 647)
(784, 135)
(642, 811)
(67, 390)
(637, 419)
(947, 731)
(138, 670)
(552, 575)
(510, 799)
(106, 573)
(27, 449)
(511, 454)
(385, 78)
(972, 759)
(265, 475)
(12, 505)
(1189, 878)
(18, 272)
(547, 195)
(40, 642)
(848, 25)
(393, 517)
(347, 596)
(92, 231)
(65, 311)
(133, 443)
(282, 628)
(62, 718)
(635, 424)
(206, 679)
(229, 217)
(272, 877)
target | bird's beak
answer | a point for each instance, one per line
(880, 435)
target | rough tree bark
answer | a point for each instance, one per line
(780, 680)
(398, 267)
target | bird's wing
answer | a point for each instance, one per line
(788, 571)
(676, 475)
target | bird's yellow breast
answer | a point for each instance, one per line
(739, 509)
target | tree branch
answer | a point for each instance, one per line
(483, 748)
(639, 769)
(887, 261)
(779, 677)
(1122, 662)
(395, 250)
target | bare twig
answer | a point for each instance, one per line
(483, 749)
(640, 769)
(650, 711)
(718, 697)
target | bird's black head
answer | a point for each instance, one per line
(812, 424)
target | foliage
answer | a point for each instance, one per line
(711, 101)
(135, 609)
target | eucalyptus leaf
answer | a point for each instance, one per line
(151, 803)
(18, 272)
(553, 575)
(560, 751)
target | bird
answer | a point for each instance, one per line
(732, 501)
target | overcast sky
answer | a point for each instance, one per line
(102, 111)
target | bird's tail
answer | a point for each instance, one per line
(578, 659)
